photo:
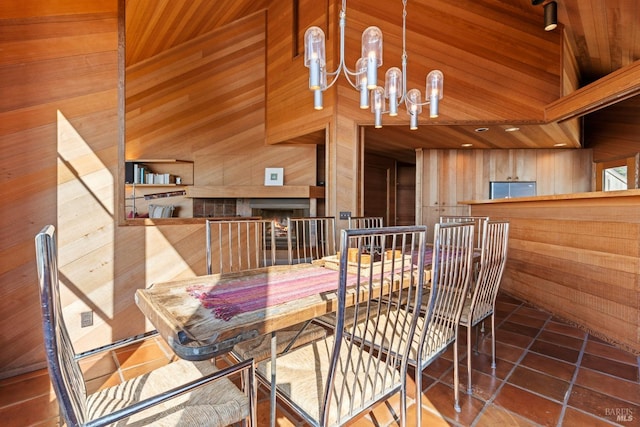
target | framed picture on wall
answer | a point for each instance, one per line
(273, 176)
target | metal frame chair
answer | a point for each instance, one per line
(180, 393)
(332, 381)
(481, 304)
(310, 238)
(240, 244)
(451, 271)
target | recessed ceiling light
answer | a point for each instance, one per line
(467, 145)
(560, 144)
(482, 129)
(512, 129)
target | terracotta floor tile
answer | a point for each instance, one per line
(555, 351)
(98, 366)
(142, 368)
(441, 398)
(612, 386)
(96, 384)
(504, 351)
(482, 362)
(430, 418)
(495, 416)
(438, 368)
(600, 404)
(483, 386)
(138, 354)
(540, 383)
(573, 417)
(512, 338)
(523, 319)
(565, 329)
(528, 405)
(555, 368)
(561, 339)
(519, 329)
(601, 349)
(611, 367)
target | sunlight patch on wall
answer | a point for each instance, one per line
(85, 227)
(163, 261)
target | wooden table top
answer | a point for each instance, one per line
(195, 332)
(243, 305)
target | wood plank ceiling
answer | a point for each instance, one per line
(604, 36)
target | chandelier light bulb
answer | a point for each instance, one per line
(435, 81)
(361, 82)
(377, 105)
(414, 107)
(372, 51)
(393, 88)
(314, 55)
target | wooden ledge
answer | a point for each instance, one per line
(255, 191)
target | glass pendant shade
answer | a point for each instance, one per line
(414, 107)
(435, 82)
(377, 105)
(314, 55)
(361, 82)
(393, 88)
(372, 52)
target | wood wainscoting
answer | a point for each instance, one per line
(578, 257)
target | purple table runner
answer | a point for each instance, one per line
(261, 291)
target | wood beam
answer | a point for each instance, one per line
(615, 87)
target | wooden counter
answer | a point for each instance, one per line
(576, 256)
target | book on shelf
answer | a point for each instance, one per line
(142, 174)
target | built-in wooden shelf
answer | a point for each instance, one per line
(255, 191)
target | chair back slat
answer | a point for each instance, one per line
(493, 260)
(65, 373)
(370, 290)
(478, 222)
(450, 277)
(310, 238)
(366, 222)
(239, 245)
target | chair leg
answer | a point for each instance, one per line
(469, 360)
(493, 341)
(477, 339)
(456, 379)
(418, 375)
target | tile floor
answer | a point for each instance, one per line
(548, 373)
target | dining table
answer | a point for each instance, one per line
(203, 317)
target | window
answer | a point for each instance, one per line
(614, 178)
(619, 174)
(509, 189)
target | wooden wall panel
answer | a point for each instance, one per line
(614, 132)
(204, 100)
(577, 257)
(60, 161)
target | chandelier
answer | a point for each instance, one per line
(365, 76)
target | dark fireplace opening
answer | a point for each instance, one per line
(280, 210)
